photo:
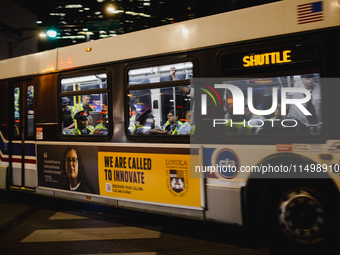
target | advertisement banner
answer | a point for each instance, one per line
(68, 167)
(161, 178)
(152, 177)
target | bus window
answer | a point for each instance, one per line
(160, 109)
(30, 110)
(84, 114)
(16, 112)
(180, 71)
(169, 108)
(287, 117)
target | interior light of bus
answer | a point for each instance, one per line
(180, 66)
(81, 79)
(102, 75)
(165, 68)
(267, 58)
(325, 156)
(129, 95)
(88, 49)
(140, 71)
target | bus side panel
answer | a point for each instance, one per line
(144, 175)
(46, 108)
(223, 203)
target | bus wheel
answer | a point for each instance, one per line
(301, 216)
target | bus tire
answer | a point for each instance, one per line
(299, 213)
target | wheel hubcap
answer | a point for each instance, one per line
(301, 216)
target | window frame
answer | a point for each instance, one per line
(107, 91)
(159, 85)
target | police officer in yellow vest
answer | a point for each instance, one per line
(102, 127)
(81, 129)
(147, 125)
(172, 126)
(84, 106)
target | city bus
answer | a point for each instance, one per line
(88, 122)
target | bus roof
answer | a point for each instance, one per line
(255, 22)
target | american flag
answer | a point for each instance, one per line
(310, 12)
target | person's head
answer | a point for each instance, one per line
(72, 161)
(104, 117)
(74, 172)
(81, 118)
(146, 119)
(171, 116)
(86, 99)
(64, 103)
(308, 81)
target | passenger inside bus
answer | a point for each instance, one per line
(16, 112)
(312, 122)
(102, 127)
(90, 123)
(147, 125)
(30, 98)
(294, 121)
(81, 129)
(155, 74)
(132, 118)
(66, 118)
(173, 125)
(173, 73)
(83, 106)
(186, 126)
(254, 118)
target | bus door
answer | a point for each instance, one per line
(22, 153)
